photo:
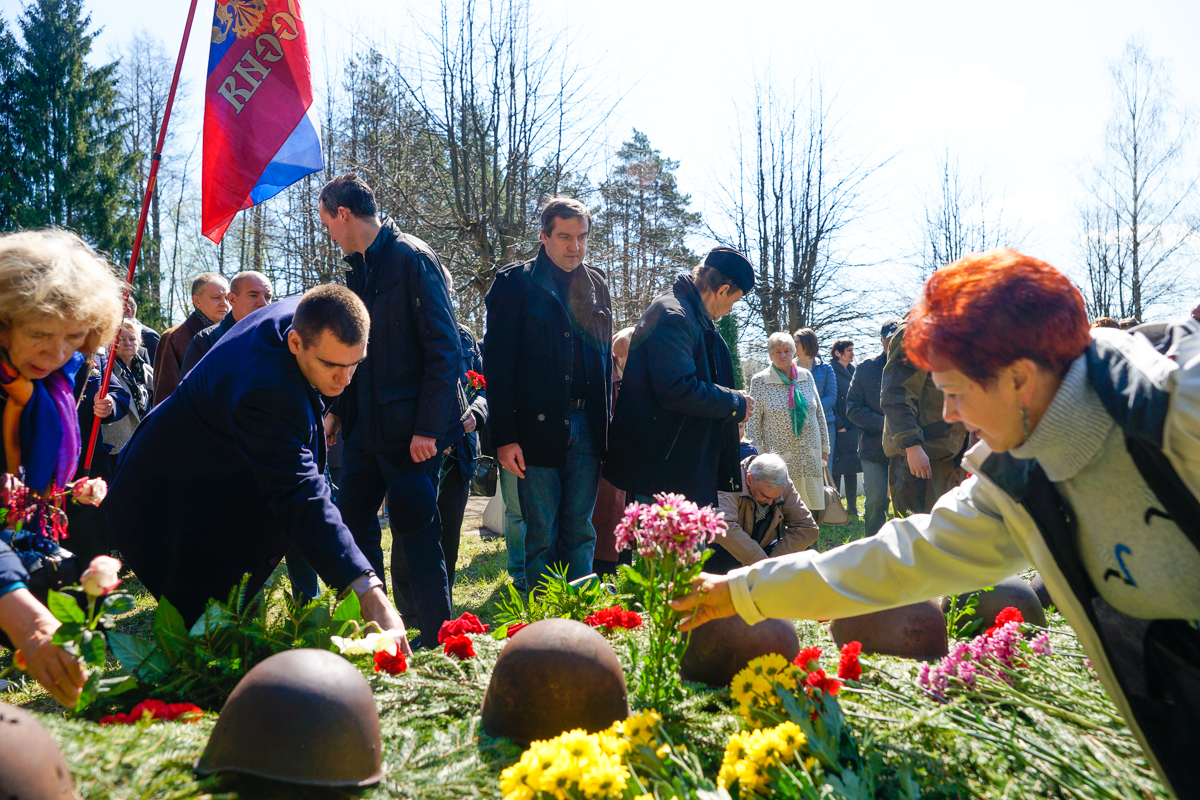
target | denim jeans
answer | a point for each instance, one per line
(514, 528)
(557, 505)
(875, 487)
(416, 530)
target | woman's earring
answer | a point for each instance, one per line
(1025, 422)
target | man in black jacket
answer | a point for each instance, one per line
(405, 405)
(676, 423)
(547, 350)
(248, 292)
(863, 409)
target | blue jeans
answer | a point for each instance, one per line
(416, 529)
(875, 487)
(557, 505)
(514, 528)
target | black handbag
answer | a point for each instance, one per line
(487, 474)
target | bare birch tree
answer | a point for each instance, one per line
(1140, 222)
(961, 216)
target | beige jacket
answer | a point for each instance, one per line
(975, 536)
(791, 529)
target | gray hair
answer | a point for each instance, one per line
(780, 339)
(770, 469)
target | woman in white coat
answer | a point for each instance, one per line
(1088, 469)
(789, 420)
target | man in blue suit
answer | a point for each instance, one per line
(226, 475)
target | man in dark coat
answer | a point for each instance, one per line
(676, 423)
(405, 405)
(547, 350)
(924, 449)
(252, 484)
(863, 409)
(210, 298)
(248, 292)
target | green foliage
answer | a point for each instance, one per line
(727, 326)
(203, 664)
(554, 598)
(63, 130)
(963, 623)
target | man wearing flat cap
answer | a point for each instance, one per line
(675, 428)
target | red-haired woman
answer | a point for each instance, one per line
(1088, 469)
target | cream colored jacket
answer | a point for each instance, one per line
(975, 536)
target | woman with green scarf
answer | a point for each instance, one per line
(789, 419)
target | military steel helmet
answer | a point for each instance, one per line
(720, 649)
(554, 676)
(302, 716)
(31, 765)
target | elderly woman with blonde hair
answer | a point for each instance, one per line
(789, 419)
(58, 299)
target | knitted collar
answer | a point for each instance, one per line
(1073, 429)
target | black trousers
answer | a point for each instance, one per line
(416, 531)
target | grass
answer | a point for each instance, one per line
(434, 747)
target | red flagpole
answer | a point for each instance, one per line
(141, 228)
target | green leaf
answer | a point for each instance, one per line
(67, 632)
(91, 690)
(118, 604)
(348, 609)
(214, 618)
(501, 633)
(118, 685)
(92, 648)
(169, 631)
(64, 608)
(632, 574)
(129, 650)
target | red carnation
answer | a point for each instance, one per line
(392, 664)
(467, 623)
(614, 617)
(476, 380)
(516, 626)
(1005, 616)
(807, 656)
(459, 646)
(848, 666)
(155, 709)
(818, 680)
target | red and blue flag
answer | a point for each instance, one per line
(259, 133)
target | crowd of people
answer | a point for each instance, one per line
(1001, 428)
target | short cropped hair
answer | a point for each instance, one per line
(839, 347)
(806, 340)
(334, 308)
(780, 339)
(770, 469)
(987, 310)
(711, 279)
(563, 208)
(53, 273)
(133, 325)
(204, 279)
(237, 280)
(1105, 322)
(1128, 322)
(350, 192)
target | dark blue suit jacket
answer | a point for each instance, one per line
(226, 474)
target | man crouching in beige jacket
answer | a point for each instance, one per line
(766, 518)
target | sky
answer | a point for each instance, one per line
(1018, 90)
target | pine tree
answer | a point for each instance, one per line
(727, 326)
(10, 178)
(641, 228)
(73, 165)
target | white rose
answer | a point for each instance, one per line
(100, 577)
(90, 491)
(368, 645)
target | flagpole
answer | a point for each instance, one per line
(141, 228)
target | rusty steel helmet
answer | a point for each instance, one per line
(720, 649)
(554, 676)
(31, 765)
(301, 716)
